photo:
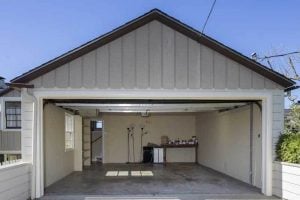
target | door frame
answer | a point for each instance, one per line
(266, 96)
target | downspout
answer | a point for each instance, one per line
(33, 174)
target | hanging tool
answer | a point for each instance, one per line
(142, 134)
(128, 148)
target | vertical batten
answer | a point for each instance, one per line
(49, 79)
(155, 54)
(129, 60)
(206, 67)
(75, 73)
(168, 57)
(257, 81)
(102, 67)
(89, 69)
(62, 76)
(245, 78)
(232, 74)
(219, 71)
(181, 61)
(194, 72)
(142, 61)
(115, 68)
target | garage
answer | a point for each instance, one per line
(212, 147)
(209, 115)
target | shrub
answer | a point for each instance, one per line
(288, 148)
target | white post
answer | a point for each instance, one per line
(39, 151)
(267, 117)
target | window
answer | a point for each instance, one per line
(69, 132)
(96, 125)
(13, 114)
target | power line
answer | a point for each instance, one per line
(211, 9)
(278, 55)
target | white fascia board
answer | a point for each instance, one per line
(153, 94)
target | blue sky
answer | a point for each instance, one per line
(33, 32)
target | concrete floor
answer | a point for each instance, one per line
(174, 181)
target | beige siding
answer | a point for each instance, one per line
(15, 182)
(154, 56)
(58, 162)
(10, 141)
(278, 115)
(13, 93)
(224, 143)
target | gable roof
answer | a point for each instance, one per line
(169, 21)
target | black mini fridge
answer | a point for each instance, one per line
(147, 154)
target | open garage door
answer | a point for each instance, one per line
(228, 132)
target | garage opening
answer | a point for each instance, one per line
(142, 146)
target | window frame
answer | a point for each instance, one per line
(15, 115)
(3, 113)
(71, 132)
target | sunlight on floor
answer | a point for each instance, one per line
(132, 198)
(126, 173)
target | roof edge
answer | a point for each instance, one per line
(155, 14)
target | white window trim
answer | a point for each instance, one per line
(3, 117)
(73, 133)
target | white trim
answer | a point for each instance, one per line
(264, 95)
(13, 165)
(73, 133)
(11, 152)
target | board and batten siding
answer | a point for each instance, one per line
(153, 56)
(278, 118)
(286, 180)
(15, 181)
(10, 141)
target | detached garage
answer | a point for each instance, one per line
(153, 107)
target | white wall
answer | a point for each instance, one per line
(286, 180)
(175, 126)
(15, 181)
(58, 163)
(224, 143)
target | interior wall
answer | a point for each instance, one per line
(58, 162)
(224, 142)
(175, 126)
(97, 145)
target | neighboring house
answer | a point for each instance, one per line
(10, 124)
(152, 64)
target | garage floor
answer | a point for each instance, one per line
(174, 179)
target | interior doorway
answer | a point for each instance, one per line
(96, 141)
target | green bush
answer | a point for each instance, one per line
(288, 148)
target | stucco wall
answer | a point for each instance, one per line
(175, 126)
(58, 162)
(224, 143)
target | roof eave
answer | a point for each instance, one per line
(168, 21)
